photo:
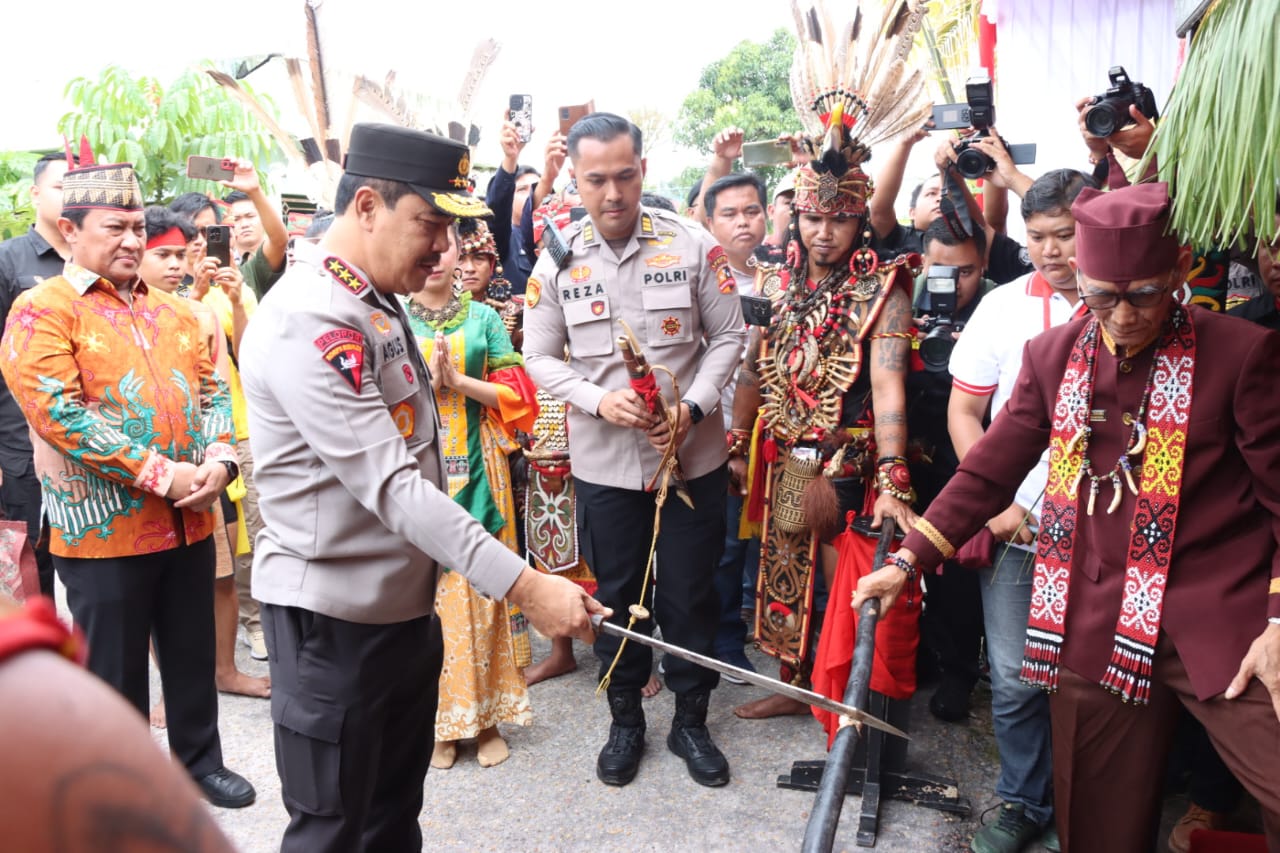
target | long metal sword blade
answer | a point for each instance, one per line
(771, 684)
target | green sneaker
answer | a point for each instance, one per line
(1011, 832)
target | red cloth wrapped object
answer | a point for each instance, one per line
(893, 671)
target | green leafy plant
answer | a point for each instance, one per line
(136, 120)
(1217, 144)
(16, 210)
(748, 88)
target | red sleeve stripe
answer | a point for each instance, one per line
(975, 390)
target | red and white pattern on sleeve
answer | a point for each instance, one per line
(156, 475)
(221, 452)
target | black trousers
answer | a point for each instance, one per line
(615, 527)
(354, 708)
(167, 596)
(20, 499)
(951, 625)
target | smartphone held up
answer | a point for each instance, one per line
(210, 168)
(520, 113)
(218, 243)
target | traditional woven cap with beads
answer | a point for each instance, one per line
(112, 187)
(479, 241)
(852, 89)
(1121, 235)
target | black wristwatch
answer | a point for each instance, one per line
(695, 411)
(233, 470)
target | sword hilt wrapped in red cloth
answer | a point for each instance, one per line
(644, 383)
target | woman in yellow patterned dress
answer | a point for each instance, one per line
(484, 396)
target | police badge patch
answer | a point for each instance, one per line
(532, 292)
(720, 263)
(343, 349)
(405, 418)
(671, 326)
(666, 259)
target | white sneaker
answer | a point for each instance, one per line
(257, 646)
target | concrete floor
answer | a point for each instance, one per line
(546, 796)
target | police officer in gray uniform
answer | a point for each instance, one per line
(351, 478)
(670, 281)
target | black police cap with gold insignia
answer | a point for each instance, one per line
(436, 168)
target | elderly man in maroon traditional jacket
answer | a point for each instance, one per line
(1157, 575)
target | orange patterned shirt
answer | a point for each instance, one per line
(115, 393)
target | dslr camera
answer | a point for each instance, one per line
(938, 324)
(1110, 111)
(971, 163)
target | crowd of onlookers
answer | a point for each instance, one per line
(224, 250)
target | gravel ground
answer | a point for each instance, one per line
(546, 796)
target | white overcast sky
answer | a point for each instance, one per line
(625, 55)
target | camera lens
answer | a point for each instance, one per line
(973, 164)
(935, 349)
(1101, 119)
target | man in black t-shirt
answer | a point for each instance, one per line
(26, 261)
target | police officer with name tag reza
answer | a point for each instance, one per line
(670, 282)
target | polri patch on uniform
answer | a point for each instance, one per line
(405, 418)
(580, 274)
(671, 326)
(666, 259)
(597, 307)
(380, 322)
(344, 350)
(532, 292)
(345, 275)
(720, 263)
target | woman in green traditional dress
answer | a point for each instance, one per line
(484, 395)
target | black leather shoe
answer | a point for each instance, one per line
(690, 740)
(226, 789)
(619, 761)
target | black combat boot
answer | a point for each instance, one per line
(690, 740)
(620, 759)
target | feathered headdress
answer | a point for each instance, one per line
(852, 89)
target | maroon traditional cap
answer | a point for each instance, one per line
(1120, 235)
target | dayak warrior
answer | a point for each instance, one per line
(827, 378)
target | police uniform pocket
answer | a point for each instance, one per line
(397, 379)
(668, 315)
(309, 750)
(590, 327)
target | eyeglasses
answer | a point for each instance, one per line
(1103, 299)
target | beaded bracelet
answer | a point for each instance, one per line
(907, 568)
(739, 441)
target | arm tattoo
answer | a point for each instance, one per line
(891, 418)
(106, 806)
(895, 317)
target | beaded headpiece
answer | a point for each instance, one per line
(475, 238)
(852, 89)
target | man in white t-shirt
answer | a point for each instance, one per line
(984, 367)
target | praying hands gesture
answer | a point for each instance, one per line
(442, 373)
